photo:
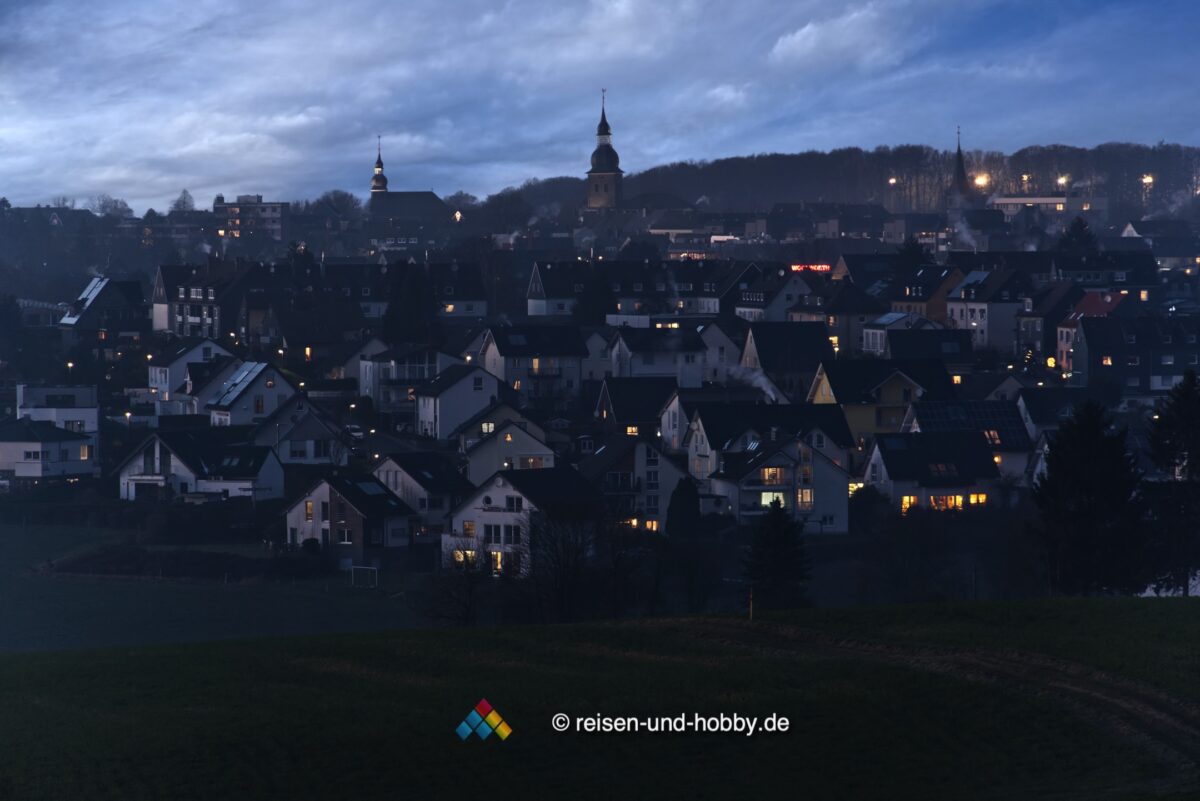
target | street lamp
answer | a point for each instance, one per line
(128, 416)
(982, 180)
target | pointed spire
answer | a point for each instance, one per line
(379, 152)
(961, 185)
(603, 128)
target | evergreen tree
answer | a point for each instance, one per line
(777, 566)
(411, 316)
(1078, 240)
(912, 254)
(1174, 441)
(683, 512)
(597, 299)
(1091, 507)
(184, 202)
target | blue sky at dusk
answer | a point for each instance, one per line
(142, 99)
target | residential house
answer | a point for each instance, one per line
(32, 451)
(1146, 356)
(106, 312)
(875, 394)
(355, 518)
(71, 408)
(783, 358)
(875, 332)
(662, 353)
(167, 366)
(636, 477)
(510, 447)
(999, 422)
(923, 290)
(199, 463)
(429, 482)
(494, 523)
(300, 432)
(254, 391)
(941, 471)
(987, 304)
(542, 362)
(459, 392)
(632, 405)
(844, 308)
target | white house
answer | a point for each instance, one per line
(167, 368)
(71, 408)
(33, 450)
(354, 518)
(539, 361)
(659, 353)
(427, 481)
(493, 523)
(510, 447)
(300, 433)
(196, 462)
(460, 392)
(252, 393)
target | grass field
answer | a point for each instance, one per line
(1063, 700)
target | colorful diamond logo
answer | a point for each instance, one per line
(483, 721)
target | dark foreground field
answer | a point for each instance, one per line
(1064, 700)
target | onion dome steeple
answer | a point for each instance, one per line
(604, 178)
(379, 180)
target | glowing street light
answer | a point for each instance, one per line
(982, 180)
(1062, 180)
(891, 181)
(1147, 180)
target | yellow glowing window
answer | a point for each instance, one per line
(508, 437)
(772, 475)
(834, 341)
(631, 431)
(449, 308)
(996, 458)
(768, 498)
(497, 561)
(977, 498)
(907, 502)
(1059, 207)
(1106, 361)
(308, 511)
(945, 503)
(957, 379)
(855, 486)
(1144, 295)
(307, 354)
(652, 525)
(468, 528)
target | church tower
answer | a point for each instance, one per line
(604, 178)
(960, 193)
(379, 180)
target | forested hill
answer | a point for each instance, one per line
(921, 174)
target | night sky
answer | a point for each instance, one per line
(142, 99)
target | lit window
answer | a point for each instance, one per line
(772, 475)
(308, 511)
(508, 437)
(907, 502)
(855, 486)
(769, 498)
(468, 528)
(993, 436)
(631, 431)
(1144, 295)
(996, 458)
(957, 379)
(488, 428)
(1106, 361)
(977, 498)
(804, 499)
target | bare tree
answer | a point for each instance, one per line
(184, 202)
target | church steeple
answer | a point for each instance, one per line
(379, 181)
(960, 185)
(604, 178)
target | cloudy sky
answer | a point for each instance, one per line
(141, 99)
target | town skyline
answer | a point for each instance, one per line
(200, 101)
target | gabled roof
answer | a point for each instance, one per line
(944, 459)
(450, 377)
(791, 347)
(506, 426)
(368, 495)
(433, 471)
(999, 421)
(854, 380)
(724, 422)
(210, 453)
(556, 491)
(538, 340)
(238, 383)
(661, 340)
(26, 430)
(951, 345)
(637, 399)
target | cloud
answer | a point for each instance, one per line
(286, 99)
